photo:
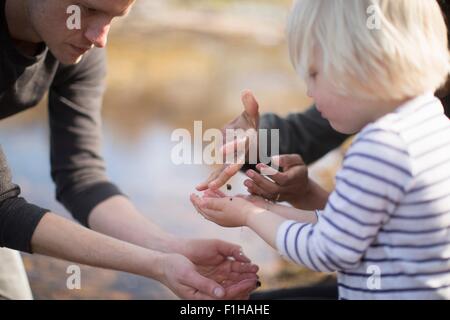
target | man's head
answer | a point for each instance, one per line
(49, 20)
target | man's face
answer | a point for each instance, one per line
(49, 19)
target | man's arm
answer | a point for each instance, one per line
(119, 218)
(18, 218)
(60, 238)
(29, 228)
(78, 169)
(306, 134)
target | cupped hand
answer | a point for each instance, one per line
(188, 281)
(225, 211)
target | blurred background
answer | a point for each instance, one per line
(171, 62)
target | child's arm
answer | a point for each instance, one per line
(266, 225)
(291, 213)
(286, 212)
(237, 212)
(359, 207)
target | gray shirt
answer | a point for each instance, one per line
(75, 100)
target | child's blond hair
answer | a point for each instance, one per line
(383, 49)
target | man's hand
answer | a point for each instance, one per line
(226, 280)
(224, 263)
(291, 185)
(249, 119)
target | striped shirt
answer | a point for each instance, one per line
(386, 226)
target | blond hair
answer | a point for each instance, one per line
(385, 49)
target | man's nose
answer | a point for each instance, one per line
(97, 34)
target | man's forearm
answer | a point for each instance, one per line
(119, 218)
(57, 237)
(307, 134)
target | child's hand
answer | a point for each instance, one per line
(225, 211)
(256, 200)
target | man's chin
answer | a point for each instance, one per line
(70, 59)
(66, 57)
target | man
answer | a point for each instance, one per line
(304, 138)
(39, 54)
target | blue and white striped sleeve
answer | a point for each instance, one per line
(368, 187)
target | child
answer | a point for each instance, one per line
(386, 226)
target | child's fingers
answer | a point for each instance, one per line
(213, 193)
(220, 193)
(196, 201)
(214, 204)
(225, 175)
(202, 186)
(210, 194)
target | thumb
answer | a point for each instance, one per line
(204, 285)
(251, 106)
